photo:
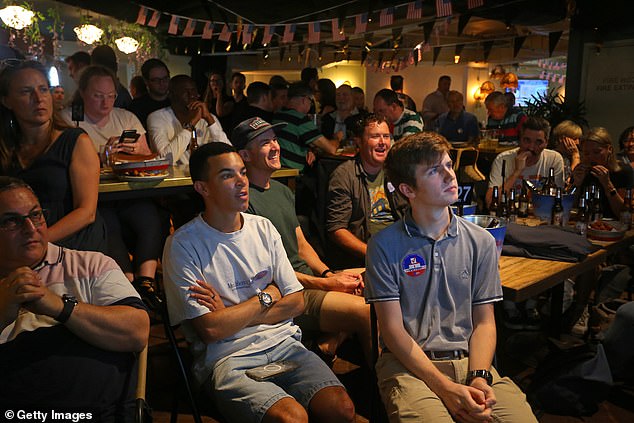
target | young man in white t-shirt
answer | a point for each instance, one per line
(229, 283)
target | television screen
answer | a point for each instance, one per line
(527, 88)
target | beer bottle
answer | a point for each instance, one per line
(582, 217)
(550, 187)
(193, 142)
(523, 203)
(557, 215)
(493, 208)
(513, 212)
(597, 211)
(503, 207)
(626, 214)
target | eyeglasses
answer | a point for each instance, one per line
(13, 222)
(159, 80)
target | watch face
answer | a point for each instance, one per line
(266, 299)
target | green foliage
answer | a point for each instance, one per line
(554, 108)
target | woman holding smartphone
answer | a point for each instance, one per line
(134, 226)
(56, 160)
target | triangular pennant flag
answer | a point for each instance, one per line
(463, 20)
(415, 10)
(428, 27)
(443, 8)
(386, 16)
(173, 28)
(488, 45)
(289, 33)
(436, 54)
(553, 39)
(225, 34)
(282, 51)
(208, 31)
(337, 33)
(314, 32)
(189, 28)
(247, 34)
(364, 55)
(361, 23)
(154, 20)
(518, 42)
(140, 19)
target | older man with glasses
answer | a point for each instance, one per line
(69, 320)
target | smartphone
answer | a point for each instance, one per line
(77, 111)
(129, 135)
(268, 371)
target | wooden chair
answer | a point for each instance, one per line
(142, 410)
(465, 165)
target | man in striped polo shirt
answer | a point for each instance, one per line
(405, 122)
(300, 136)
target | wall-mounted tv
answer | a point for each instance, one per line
(527, 88)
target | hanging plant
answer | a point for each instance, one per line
(30, 35)
(56, 29)
(149, 44)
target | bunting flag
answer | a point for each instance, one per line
(289, 33)
(225, 34)
(428, 27)
(463, 20)
(488, 45)
(415, 10)
(156, 15)
(386, 17)
(361, 23)
(436, 54)
(247, 34)
(443, 8)
(268, 34)
(208, 31)
(142, 16)
(337, 33)
(189, 28)
(518, 42)
(553, 39)
(472, 4)
(314, 32)
(173, 28)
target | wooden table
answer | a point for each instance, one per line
(523, 278)
(178, 182)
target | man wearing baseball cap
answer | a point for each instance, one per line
(331, 304)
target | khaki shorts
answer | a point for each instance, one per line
(409, 399)
(308, 321)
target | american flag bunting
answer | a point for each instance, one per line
(472, 4)
(337, 33)
(386, 16)
(156, 15)
(289, 33)
(247, 34)
(268, 34)
(140, 19)
(361, 23)
(189, 28)
(173, 28)
(415, 10)
(225, 34)
(443, 8)
(208, 31)
(314, 32)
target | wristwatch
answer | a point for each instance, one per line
(70, 303)
(265, 298)
(484, 374)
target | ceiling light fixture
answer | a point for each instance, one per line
(16, 17)
(88, 33)
(456, 59)
(127, 45)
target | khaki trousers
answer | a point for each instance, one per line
(409, 399)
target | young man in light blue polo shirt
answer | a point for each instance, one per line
(433, 278)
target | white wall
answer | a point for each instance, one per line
(608, 86)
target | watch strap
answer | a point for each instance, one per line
(69, 305)
(484, 374)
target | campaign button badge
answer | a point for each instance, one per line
(414, 265)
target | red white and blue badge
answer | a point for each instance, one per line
(414, 265)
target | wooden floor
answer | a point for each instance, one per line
(518, 354)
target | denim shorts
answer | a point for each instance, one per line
(240, 398)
